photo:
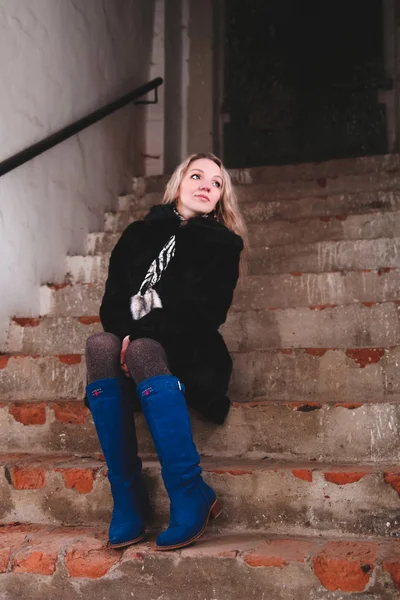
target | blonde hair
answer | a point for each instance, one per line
(227, 209)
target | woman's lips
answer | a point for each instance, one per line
(202, 197)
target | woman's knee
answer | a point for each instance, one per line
(143, 347)
(102, 343)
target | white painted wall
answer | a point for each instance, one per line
(60, 59)
(153, 150)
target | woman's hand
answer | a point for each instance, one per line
(125, 344)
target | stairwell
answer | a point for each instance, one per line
(307, 464)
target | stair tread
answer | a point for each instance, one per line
(316, 351)
(83, 553)
(86, 319)
(340, 216)
(105, 256)
(233, 465)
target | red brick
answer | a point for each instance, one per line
(26, 322)
(316, 351)
(279, 553)
(4, 361)
(70, 412)
(12, 539)
(325, 219)
(365, 356)
(287, 351)
(90, 559)
(41, 549)
(89, 320)
(29, 413)
(70, 359)
(58, 286)
(303, 406)
(80, 480)
(303, 474)
(28, 478)
(394, 569)
(394, 480)
(5, 554)
(345, 566)
(385, 270)
(35, 560)
(341, 217)
(296, 273)
(369, 304)
(343, 478)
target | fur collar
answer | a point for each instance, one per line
(163, 216)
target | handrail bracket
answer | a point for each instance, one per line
(154, 101)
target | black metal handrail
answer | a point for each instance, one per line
(56, 138)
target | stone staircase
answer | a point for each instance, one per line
(307, 464)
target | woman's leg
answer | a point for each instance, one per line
(113, 417)
(146, 358)
(102, 356)
(165, 410)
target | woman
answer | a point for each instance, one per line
(170, 284)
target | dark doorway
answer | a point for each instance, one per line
(301, 81)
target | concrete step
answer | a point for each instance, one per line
(71, 300)
(342, 227)
(325, 432)
(259, 207)
(321, 257)
(281, 232)
(118, 221)
(325, 257)
(259, 292)
(349, 326)
(277, 498)
(285, 375)
(87, 269)
(317, 375)
(341, 175)
(23, 377)
(43, 563)
(345, 433)
(138, 200)
(378, 167)
(51, 335)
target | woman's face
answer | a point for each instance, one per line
(200, 188)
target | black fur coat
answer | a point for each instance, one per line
(196, 292)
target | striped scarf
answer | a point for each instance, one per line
(147, 298)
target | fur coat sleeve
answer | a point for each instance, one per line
(115, 311)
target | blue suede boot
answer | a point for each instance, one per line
(193, 502)
(115, 428)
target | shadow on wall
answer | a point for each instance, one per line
(69, 57)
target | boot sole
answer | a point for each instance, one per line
(125, 544)
(214, 513)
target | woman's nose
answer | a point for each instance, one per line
(205, 185)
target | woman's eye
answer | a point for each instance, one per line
(195, 175)
(217, 184)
